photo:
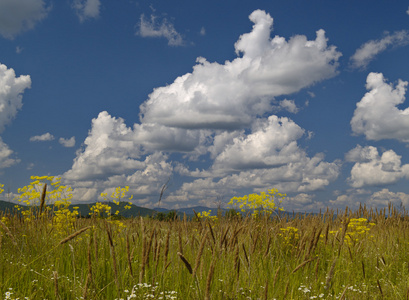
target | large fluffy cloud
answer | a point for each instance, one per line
(109, 150)
(377, 115)
(17, 16)
(367, 52)
(230, 95)
(11, 94)
(216, 115)
(271, 144)
(372, 169)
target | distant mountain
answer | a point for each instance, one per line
(160, 209)
(84, 209)
(198, 209)
(136, 211)
(6, 206)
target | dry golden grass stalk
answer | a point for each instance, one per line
(211, 232)
(303, 264)
(209, 278)
(111, 244)
(55, 276)
(222, 240)
(95, 245)
(187, 264)
(245, 254)
(166, 251)
(344, 293)
(237, 260)
(89, 276)
(42, 202)
(233, 239)
(268, 246)
(199, 253)
(316, 268)
(266, 290)
(331, 273)
(253, 248)
(180, 239)
(74, 235)
(128, 255)
(8, 232)
(344, 231)
(380, 288)
(286, 288)
(146, 248)
(276, 276)
(326, 234)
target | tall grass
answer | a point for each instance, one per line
(303, 257)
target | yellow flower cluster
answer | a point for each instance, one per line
(103, 210)
(207, 215)
(118, 194)
(265, 202)
(100, 210)
(5, 221)
(290, 235)
(64, 220)
(31, 194)
(357, 229)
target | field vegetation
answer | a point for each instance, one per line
(50, 253)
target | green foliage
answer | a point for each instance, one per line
(169, 216)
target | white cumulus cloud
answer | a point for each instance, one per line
(377, 115)
(373, 169)
(11, 101)
(87, 9)
(42, 138)
(6, 159)
(156, 29)
(358, 197)
(217, 115)
(230, 95)
(11, 94)
(17, 16)
(272, 143)
(109, 150)
(368, 51)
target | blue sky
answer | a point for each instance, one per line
(221, 98)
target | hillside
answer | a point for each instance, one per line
(84, 209)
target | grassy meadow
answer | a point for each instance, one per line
(305, 257)
(51, 253)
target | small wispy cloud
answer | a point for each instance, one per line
(67, 142)
(367, 52)
(86, 9)
(157, 29)
(19, 49)
(202, 31)
(42, 138)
